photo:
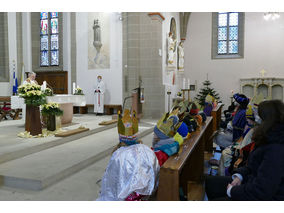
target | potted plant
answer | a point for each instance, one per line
(78, 91)
(48, 92)
(34, 97)
(51, 110)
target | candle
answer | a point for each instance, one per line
(74, 86)
(44, 85)
(188, 83)
(183, 85)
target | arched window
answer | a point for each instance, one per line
(49, 39)
(228, 35)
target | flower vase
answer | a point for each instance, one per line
(51, 123)
(33, 122)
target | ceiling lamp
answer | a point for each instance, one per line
(271, 15)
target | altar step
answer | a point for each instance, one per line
(42, 169)
(24, 151)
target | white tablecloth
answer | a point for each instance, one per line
(77, 100)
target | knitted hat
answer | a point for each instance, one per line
(203, 115)
(194, 110)
(183, 130)
(241, 99)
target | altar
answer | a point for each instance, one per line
(65, 101)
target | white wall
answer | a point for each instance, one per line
(166, 29)
(6, 88)
(112, 77)
(263, 49)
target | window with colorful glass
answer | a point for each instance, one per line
(228, 33)
(49, 39)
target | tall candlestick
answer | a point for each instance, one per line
(74, 86)
(188, 83)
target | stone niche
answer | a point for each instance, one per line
(271, 88)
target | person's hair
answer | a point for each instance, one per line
(31, 73)
(271, 113)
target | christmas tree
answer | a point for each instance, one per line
(203, 92)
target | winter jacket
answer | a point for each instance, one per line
(263, 177)
(239, 122)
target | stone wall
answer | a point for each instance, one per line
(4, 51)
(142, 40)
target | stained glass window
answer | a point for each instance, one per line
(43, 15)
(49, 39)
(44, 43)
(54, 42)
(228, 33)
(54, 25)
(54, 57)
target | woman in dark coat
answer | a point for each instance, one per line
(263, 177)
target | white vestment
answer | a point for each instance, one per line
(99, 97)
(28, 81)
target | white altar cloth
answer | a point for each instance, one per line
(76, 100)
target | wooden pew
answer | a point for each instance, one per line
(216, 114)
(5, 108)
(186, 166)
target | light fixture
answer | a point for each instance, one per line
(271, 15)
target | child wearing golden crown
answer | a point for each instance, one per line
(132, 172)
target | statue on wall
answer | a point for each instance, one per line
(98, 41)
(171, 50)
(181, 56)
(97, 35)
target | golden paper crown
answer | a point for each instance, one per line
(169, 123)
(209, 99)
(127, 125)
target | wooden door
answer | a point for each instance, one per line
(57, 80)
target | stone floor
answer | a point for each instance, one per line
(91, 153)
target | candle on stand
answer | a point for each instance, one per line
(183, 85)
(44, 85)
(74, 86)
(188, 83)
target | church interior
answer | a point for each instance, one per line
(83, 92)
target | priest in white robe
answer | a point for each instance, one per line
(99, 96)
(31, 79)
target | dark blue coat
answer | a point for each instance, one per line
(264, 174)
(239, 123)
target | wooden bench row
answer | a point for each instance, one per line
(186, 167)
(185, 170)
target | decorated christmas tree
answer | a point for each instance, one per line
(203, 92)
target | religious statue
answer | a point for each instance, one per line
(180, 56)
(97, 35)
(171, 49)
(99, 96)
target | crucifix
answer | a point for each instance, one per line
(263, 73)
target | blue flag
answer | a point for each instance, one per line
(15, 83)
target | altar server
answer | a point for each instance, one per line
(99, 96)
